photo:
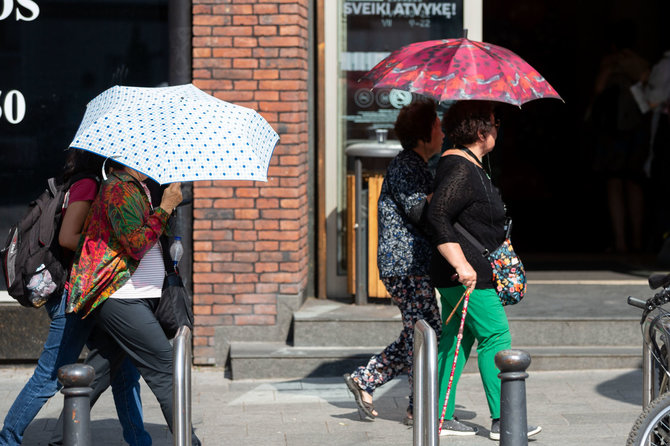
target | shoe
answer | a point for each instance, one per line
(367, 408)
(456, 428)
(495, 430)
(409, 417)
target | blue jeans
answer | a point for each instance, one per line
(67, 335)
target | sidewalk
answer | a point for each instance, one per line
(587, 407)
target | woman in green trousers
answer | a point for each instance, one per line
(464, 194)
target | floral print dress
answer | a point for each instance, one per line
(404, 252)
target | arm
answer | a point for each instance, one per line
(408, 191)
(73, 222)
(454, 255)
(134, 227)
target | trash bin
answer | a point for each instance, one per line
(359, 152)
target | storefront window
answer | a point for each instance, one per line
(369, 31)
(54, 58)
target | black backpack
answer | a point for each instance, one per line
(32, 259)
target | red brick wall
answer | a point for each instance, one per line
(250, 238)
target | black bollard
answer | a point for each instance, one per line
(76, 380)
(513, 422)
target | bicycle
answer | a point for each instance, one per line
(652, 427)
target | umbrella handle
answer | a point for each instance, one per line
(465, 295)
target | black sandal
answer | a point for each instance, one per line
(366, 407)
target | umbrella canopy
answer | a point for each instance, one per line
(177, 133)
(461, 69)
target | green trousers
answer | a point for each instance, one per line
(486, 323)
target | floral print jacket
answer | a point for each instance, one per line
(119, 230)
(404, 249)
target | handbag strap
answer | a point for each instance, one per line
(165, 250)
(471, 239)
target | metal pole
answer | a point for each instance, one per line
(361, 245)
(647, 376)
(180, 68)
(76, 380)
(425, 385)
(182, 387)
(513, 421)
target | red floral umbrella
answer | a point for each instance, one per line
(461, 69)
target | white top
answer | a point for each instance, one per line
(147, 280)
(658, 85)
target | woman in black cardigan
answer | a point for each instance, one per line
(465, 194)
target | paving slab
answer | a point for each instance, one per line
(595, 407)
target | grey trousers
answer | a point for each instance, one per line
(133, 328)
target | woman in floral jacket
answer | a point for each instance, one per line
(118, 274)
(404, 250)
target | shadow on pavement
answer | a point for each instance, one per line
(105, 432)
(626, 387)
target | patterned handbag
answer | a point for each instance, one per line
(509, 275)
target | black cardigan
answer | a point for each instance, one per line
(464, 193)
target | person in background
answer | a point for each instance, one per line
(621, 137)
(465, 194)
(657, 95)
(404, 250)
(67, 333)
(118, 273)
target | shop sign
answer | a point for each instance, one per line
(12, 106)
(55, 56)
(24, 10)
(373, 29)
(13, 103)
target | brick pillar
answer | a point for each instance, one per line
(250, 238)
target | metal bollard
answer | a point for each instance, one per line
(76, 380)
(513, 421)
(425, 385)
(182, 387)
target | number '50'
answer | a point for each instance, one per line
(12, 107)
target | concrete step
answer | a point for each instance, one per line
(258, 360)
(568, 320)
(331, 323)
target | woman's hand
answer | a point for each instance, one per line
(467, 276)
(171, 197)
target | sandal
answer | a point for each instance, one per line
(409, 417)
(366, 407)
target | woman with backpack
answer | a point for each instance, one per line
(68, 333)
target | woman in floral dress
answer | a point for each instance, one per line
(404, 250)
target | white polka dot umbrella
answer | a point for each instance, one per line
(177, 133)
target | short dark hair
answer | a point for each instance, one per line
(465, 120)
(415, 123)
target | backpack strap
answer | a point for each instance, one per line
(47, 228)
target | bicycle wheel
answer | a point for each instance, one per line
(652, 427)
